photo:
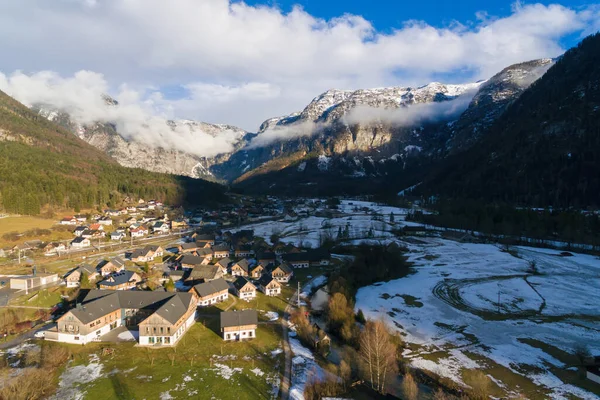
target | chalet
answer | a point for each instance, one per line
(211, 292)
(117, 235)
(148, 253)
(239, 325)
(244, 289)
(221, 251)
(81, 218)
(198, 237)
(162, 318)
(54, 248)
(160, 227)
(206, 253)
(68, 221)
(123, 280)
(256, 271)
(81, 242)
(115, 264)
(269, 285)
(308, 258)
(204, 273)
(79, 230)
(73, 277)
(223, 264)
(241, 268)
(243, 251)
(281, 273)
(112, 213)
(28, 282)
(130, 221)
(267, 258)
(189, 261)
(138, 232)
(204, 244)
(188, 248)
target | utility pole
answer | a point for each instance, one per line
(298, 291)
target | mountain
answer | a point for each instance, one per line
(544, 150)
(44, 165)
(138, 154)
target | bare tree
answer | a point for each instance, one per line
(409, 387)
(378, 353)
(440, 395)
(345, 373)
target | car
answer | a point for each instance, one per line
(39, 334)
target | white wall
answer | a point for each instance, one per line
(240, 334)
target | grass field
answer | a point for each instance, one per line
(202, 365)
(45, 298)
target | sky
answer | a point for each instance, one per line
(239, 63)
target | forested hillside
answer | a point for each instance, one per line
(41, 164)
(544, 150)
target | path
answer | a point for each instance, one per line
(286, 382)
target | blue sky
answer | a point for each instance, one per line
(224, 61)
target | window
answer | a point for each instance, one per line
(250, 333)
(167, 340)
(76, 338)
(147, 329)
(169, 330)
(162, 330)
(228, 336)
(151, 339)
(154, 329)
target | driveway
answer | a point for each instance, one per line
(5, 295)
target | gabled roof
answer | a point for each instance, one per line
(83, 268)
(79, 240)
(312, 255)
(140, 253)
(243, 264)
(211, 287)
(224, 262)
(191, 260)
(240, 282)
(285, 267)
(205, 237)
(117, 278)
(266, 279)
(175, 307)
(204, 272)
(267, 256)
(189, 246)
(238, 318)
(221, 247)
(117, 261)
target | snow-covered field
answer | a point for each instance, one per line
(450, 307)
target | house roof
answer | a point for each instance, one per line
(240, 282)
(83, 268)
(117, 261)
(312, 255)
(211, 287)
(140, 253)
(189, 246)
(204, 272)
(117, 278)
(208, 238)
(221, 247)
(98, 303)
(243, 248)
(285, 267)
(224, 262)
(79, 240)
(238, 318)
(243, 264)
(267, 256)
(266, 279)
(191, 260)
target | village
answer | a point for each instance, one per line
(178, 303)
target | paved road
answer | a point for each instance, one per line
(5, 295)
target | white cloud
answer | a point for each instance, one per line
(143, 120)
(241, 64)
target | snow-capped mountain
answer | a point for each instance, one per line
(360, 133)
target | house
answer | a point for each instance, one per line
(188, 248)
(244, 289)
(281, 273)
(204, 273)
(241, 268)
(179, 224)
(256, 271)
(115, 264)
(162, 318)
(198, 237)
(122, 280)
(68, 221)
(79, 230)
(211, 292)
(223, 264)
(148, 253)
(221, 251)
(189, 261)
(54, 248)
(282, 248)
(239, 325)
(81, 218)
(266, 258)
(96, 227)
(269, 285)
(160, 227)
(307, 259)
(138, 232)
(28, 282)
(73, 277)
(130, 221)
(80, 242)
(244, 251)
(117, 235)
(204, 244)
(174, 274)
(105, 221)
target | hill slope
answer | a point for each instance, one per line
(42, 164)
(544, 150)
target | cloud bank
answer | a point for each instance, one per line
(145, 121)
(230, 62)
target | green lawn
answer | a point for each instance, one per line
(46, 298)
(193, 369)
